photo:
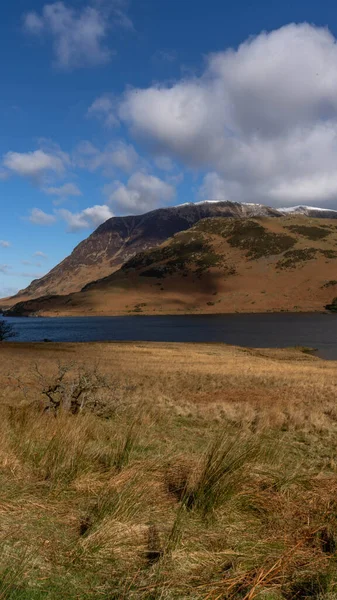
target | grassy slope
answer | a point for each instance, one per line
(219, 266)
(200, 471)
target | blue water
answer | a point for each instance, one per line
(254, 330)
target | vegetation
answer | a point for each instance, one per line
(293, 258)
(186, 471)
(248, 235)
(312, 232)
(7, 331)
(186, 251)
(333, 306)
(330, 283)
(329, 253)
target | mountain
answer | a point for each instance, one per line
(218, 265)
(120, 238)
(310, 211)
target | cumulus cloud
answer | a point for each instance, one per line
(104, 108)
(175, 180)
(213, 188)
(142, 193)
(79, 35)
(63, 192)
(4, 244)
(116, 155)
(86, 219)
(165, 163)
(261, 119)
(33, 23)
(39, 217)
(33, 164)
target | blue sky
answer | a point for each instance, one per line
(110, 107)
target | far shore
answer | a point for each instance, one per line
(154, 313)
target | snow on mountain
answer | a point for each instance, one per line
(303, 209)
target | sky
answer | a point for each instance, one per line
(116, 107)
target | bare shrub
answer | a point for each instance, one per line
(7, 331)
(70, 389)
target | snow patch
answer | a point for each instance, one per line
(304, 208)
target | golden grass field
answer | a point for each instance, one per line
(171, 471)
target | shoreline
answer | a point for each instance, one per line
(296, 350)
(174, 314)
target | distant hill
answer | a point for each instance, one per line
(120, 238)
(218, 265)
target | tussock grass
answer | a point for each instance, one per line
(211, 475)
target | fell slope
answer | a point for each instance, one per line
(120, 238)
(218, 265)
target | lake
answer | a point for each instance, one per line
(254, 330)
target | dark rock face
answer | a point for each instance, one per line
(120, 238)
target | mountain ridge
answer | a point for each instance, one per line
(217, 266)
(120, 238)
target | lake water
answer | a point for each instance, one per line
(254, 330)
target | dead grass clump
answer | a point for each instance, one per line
(221, 484)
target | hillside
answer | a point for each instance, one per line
(120, 238)
(217, 266)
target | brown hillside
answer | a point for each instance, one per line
(120, 238)
(217, 266)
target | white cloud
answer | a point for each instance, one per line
(33, 23)
(213, 188)
(64, 191)
(116, 155)
(4, 244)
(104, 108)
(175, 179)
(39, 217)
(165, 163)
(142, 193)
(261, 119)
(40, 254)
(33, 164)
(79, 35)
(86, 219)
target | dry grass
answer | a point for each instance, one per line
(190, 471)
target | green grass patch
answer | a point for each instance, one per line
(294, 258)
(249, 235)
(311, 232)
